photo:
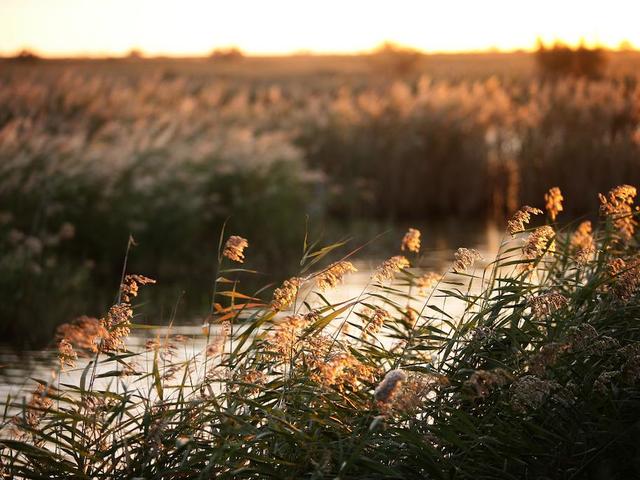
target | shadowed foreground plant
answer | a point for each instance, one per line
(526, 367)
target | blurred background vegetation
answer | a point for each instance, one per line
(166, 150)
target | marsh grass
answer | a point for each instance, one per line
(524, 366)
(166, 150)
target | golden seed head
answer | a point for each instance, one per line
(415, 390)
(465, 258)
(66, 355)
(521, 219)
(221, 330)
(388, 268)
(83, 333)
(616, 266)
(374, 319)
(427, 281)
(37, 407)
(553, 199)
(539, 242)
(337, 369)
(411, 241)
(254, 380)
(284, 296)
(582, 243)
(617, 205)
(234, 248)
(331, 276)
(116, 326)
(482, 382)
(411, 393)
(129, 287)
(284, 338)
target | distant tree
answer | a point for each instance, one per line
(562, 60)
(229, 54)
(135, 54)
(395, 59)
(25, 56)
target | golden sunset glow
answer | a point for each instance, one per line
(195, 27)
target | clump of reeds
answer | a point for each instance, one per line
(494, 364)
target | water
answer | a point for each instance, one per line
(18, 370)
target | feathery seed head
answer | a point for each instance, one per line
(482, 382)
(539, 242)
(411, 241)
(521, 219)
(234, 248)
(129, 287)
(284, 296)
(83, 333)
(374, 319)
(625, 276)
(582, 243)
(66, 355)
(332, 275)
(388, 268)
(465, 258)
(426, 281)
(544, 305)
(617, 205)
(387, 388)
(553, 199)
(116, 326)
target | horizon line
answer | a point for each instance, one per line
(136, 52)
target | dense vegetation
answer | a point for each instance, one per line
(562, 60)
(525, 367)
(92, 152)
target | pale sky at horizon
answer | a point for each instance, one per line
(195, 27)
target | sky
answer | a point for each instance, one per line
(196, 27)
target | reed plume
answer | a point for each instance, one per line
(411, 241)
(465, 258)
(521, 219)
(582, 242)
(617, 206)
(234, 248)
(539, 242)
(553, 199)
(387, 270)
(332, 276)
(427, 281)
(284, 296)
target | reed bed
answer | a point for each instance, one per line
(92, 153)
(521, 366)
